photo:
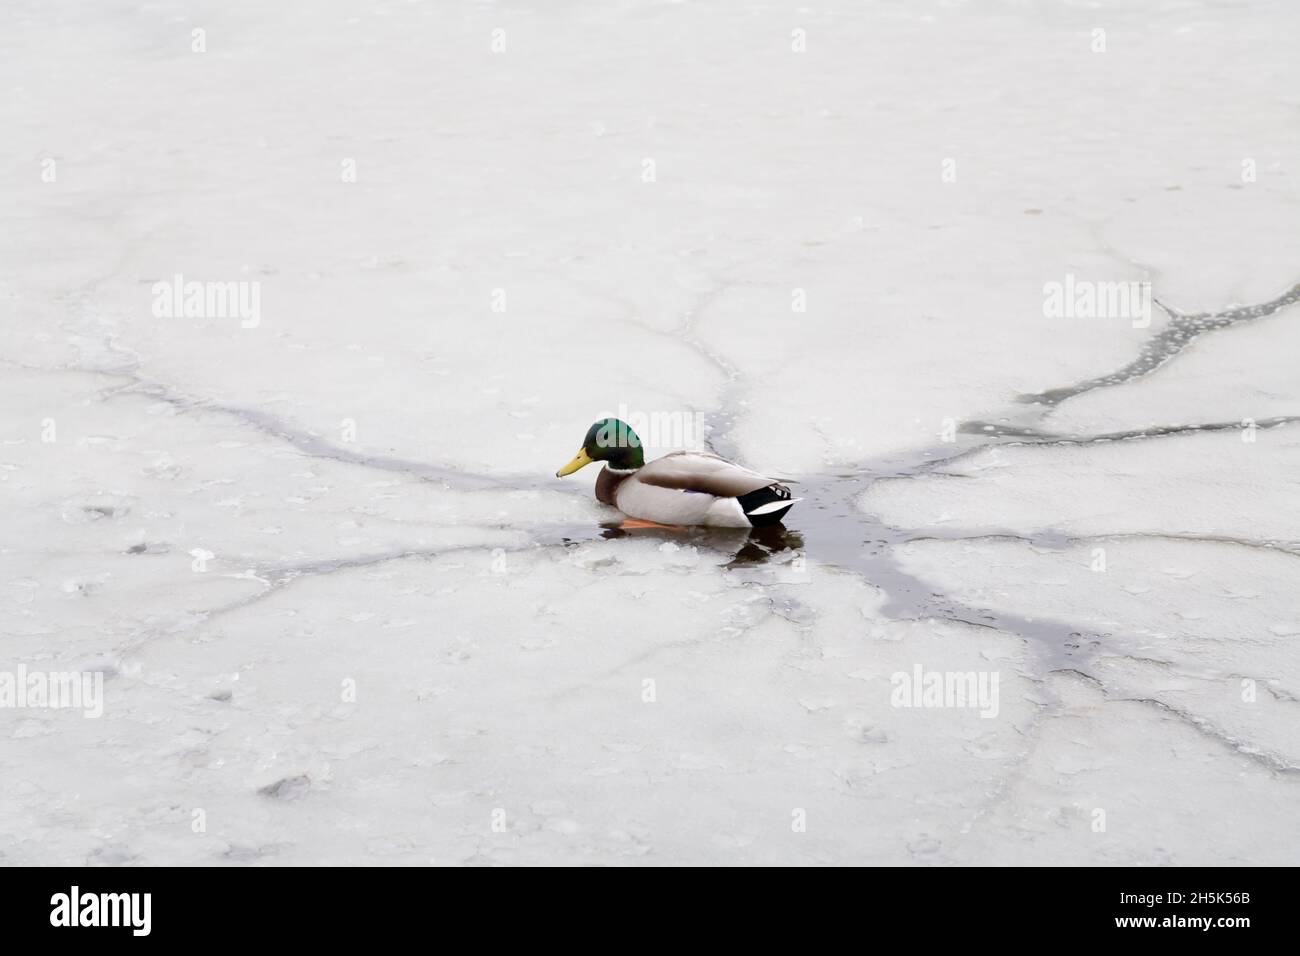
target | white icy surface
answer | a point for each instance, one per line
(1198, 483)
(498, 644)
(1228, 377)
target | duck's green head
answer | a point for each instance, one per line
(610, 441)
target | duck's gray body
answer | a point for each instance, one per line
(693, 488)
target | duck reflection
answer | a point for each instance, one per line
(747, 546)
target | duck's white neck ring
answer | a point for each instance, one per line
(620, 471)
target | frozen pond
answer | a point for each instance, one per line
(304, 524)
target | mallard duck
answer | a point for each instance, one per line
(681, 488)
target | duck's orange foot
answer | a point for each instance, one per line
(629, 523)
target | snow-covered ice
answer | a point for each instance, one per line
(344, 612)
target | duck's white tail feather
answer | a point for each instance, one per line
(774, 506)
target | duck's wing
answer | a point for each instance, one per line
(701, 472)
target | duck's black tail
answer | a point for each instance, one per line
(767, 506)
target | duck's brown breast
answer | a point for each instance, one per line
(607, 483)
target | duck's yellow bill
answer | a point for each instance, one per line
(580, 460)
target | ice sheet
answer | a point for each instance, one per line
(342, 607)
